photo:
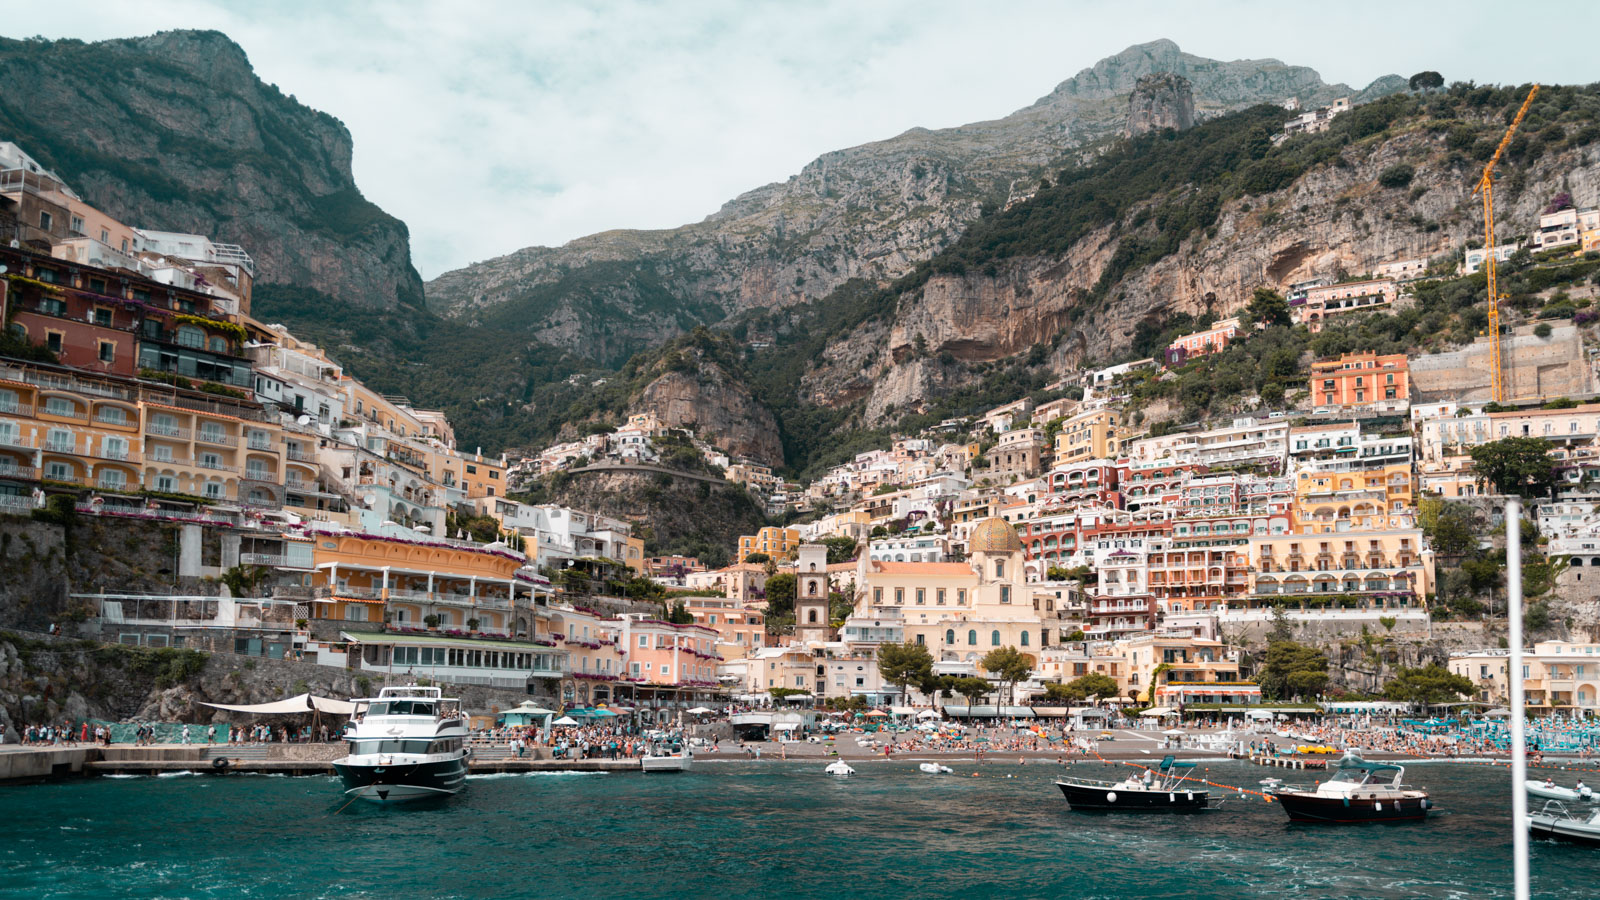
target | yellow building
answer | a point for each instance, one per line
(1342, 569)
(369, 578)
(1192, 670)
(117, 435)
(1557, 675)
(777, 543)
(959, 611)
(1096, 434)
(1373, 499)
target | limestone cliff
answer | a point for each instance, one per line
(175, 132)
(1160, 100)
(868, 212)
(1335, 219)
(718, 408)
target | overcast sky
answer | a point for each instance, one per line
(489, 126)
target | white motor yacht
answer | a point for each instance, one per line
(407, 743)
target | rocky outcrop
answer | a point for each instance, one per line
(690, 516)
(1161, 100)
(717, 408)
(868, 212)
(175, 132)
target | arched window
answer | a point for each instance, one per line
(812, 589)
(949, 635)
(999, 568)
(972, 637)
(1024, 639)
(812, 619)
(994, 638)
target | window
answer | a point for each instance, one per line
(921, 596)
(949, 635)
(1005, 593)
(45, 221)
(999, 568)
(1024, 639)
(52, 339)
(112, 479)
(994, 638)
(972, 638)
(939, 596)
(114, 448)
(58, 471)
(920, 641)
(214, 490)
(166, 484)
(899, 596)
(108, 351)
(961, 596)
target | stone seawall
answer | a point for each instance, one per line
(48, 679)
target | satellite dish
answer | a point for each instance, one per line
(423, 528)
(304, 420)
(369, 500)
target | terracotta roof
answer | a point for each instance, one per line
(944, 569)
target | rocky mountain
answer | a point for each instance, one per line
(1161, 100)
(175, 132)
(870, 212)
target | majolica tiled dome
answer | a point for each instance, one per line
(994, 535)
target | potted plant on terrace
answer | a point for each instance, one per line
(472, 624)
(432, 621)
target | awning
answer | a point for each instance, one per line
(300, 703)
(1015, 712)
(1157, 711)
(902, 710)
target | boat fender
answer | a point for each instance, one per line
(1378, 806)
(1347, 801)
(1171, 797)
(221, 762)
(1111, 796)
(1190, 795)
(1427, 804)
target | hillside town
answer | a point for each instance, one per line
(350, 530)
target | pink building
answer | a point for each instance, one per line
(1323, 303)
(1209, 341)
(660, 653)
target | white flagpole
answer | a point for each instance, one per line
(1519, 748)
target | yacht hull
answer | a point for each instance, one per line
(399, 780)
(1120, 798)
(1313, 809)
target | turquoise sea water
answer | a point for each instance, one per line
(733, 830)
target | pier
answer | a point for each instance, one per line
(36, 764)
(1283, 762)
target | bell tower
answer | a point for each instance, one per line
(811, 595)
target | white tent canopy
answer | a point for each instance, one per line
(299, 703)
(1157, 711)
(928, 714)
(565, 721)
(700, 710)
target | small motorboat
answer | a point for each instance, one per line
(839, 769)
(1160, 790)
(1549, 790)
(1270, 783)
(1555, 822)
(1359, 791)
(933, 768)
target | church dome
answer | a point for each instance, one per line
(994, 535)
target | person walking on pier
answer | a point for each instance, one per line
(186, 734)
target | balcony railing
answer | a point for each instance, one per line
(219, 438)
(15, 408)
(262, 559)
(16, 504)
(13, 439)
(171, 431)
(295, 453)
(21, 473)
(55, 446)
(216, 466)
(259, 444)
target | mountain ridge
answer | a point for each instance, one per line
(871, 211)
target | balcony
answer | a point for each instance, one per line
(56, 446)
(117, 453)
(216, 466)
(219, 438)
(262, 559)
(13, 439)
(164, 430)
(18, 473)
(63, 413)
(14, 503)
(295, 453)
(264, 446)
(16, 408)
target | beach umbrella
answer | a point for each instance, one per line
(565, 720)
(877, 714)
(928, 714)
(699, 711)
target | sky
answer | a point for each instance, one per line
(492, 126)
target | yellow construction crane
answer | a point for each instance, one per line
(1486, 188)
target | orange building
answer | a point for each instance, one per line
(1361, 380)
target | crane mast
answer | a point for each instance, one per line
(1485, 187)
